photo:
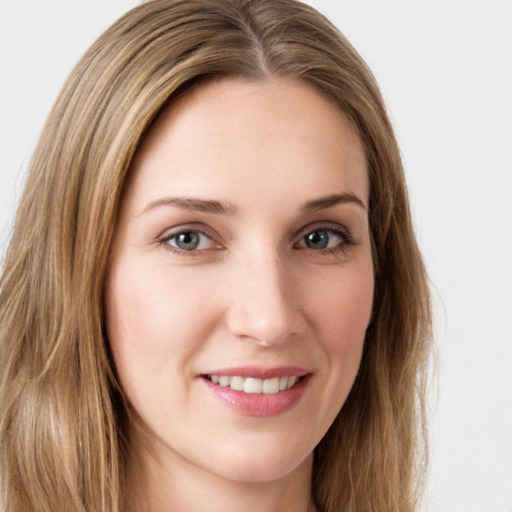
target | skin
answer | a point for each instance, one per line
(254, 292)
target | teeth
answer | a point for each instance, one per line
(237, 383)
(291, 382)
(271, 386)
(251, 385)
(224, 381)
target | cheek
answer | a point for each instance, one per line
(152, 323)
(343, 308)
(342, 312)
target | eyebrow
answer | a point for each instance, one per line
(225, 208)
(328, 202)
(195, 204)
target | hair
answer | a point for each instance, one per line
(63, 417)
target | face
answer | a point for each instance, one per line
(241, 281)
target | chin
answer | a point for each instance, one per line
(267, 462)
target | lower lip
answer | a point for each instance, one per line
(259, 404)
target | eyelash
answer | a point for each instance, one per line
(166, 238)
(347, 240)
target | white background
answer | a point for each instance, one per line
(445, 67)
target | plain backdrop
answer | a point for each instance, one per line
(445, 68)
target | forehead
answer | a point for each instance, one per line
(278, 135)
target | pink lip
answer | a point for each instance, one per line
(260, 404)
(261, 373)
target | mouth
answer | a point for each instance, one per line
(256, 391)
(255, 386)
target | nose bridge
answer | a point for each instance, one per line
(264, 307)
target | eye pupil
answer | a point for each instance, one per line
(317, 239)
(187, 241)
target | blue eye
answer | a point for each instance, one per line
(189, 241)
(323, 238)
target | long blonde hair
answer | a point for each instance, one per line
(62, 413)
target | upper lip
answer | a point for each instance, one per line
(260, 373)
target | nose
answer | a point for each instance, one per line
(264, 306)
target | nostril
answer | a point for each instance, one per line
(268, 324)
(263, 307)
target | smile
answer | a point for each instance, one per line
(253, 385)
(253, 391)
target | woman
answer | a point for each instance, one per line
(213, 296)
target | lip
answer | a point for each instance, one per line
(260, 373)
(259, 405)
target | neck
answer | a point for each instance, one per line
(166, 483)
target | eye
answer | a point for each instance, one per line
(189, 240)
(325, 238)
(320, 239)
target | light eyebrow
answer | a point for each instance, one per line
(193, 203)
(329, 201)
